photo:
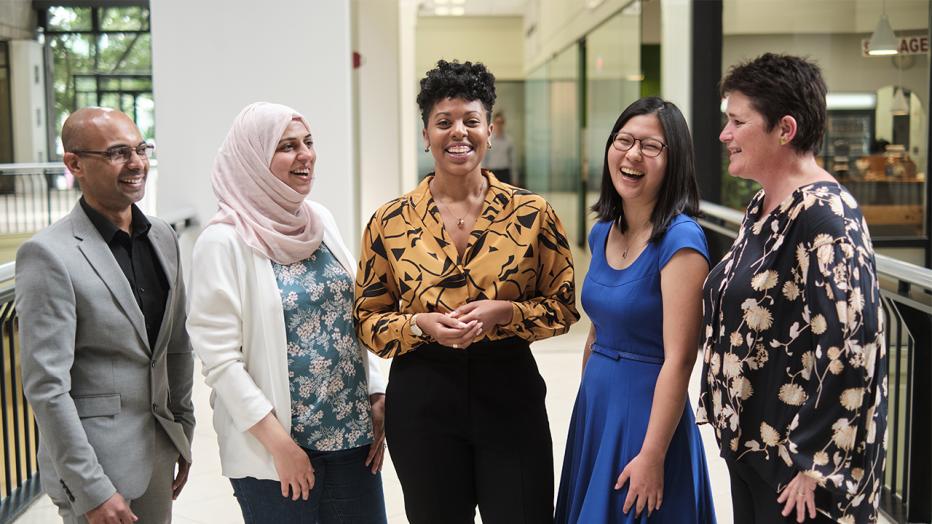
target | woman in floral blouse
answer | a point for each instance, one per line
(795, 365)
(297, 400)
(455, 279)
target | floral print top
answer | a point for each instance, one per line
(330, 408)
(794, 374)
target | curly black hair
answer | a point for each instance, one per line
(780, 85)
(468, 81)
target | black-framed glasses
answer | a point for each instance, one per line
(120, 154)
(649, 146)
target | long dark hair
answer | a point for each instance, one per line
(679, 192)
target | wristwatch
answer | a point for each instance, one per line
(415, 330)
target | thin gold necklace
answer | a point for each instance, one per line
(624, 252)
(461, 221)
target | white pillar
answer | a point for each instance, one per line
(410, 115)
(380, 121)
(210, 58)
(676, 54)
(27, 83)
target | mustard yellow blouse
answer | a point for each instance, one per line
(517, 251)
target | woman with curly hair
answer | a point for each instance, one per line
(795, 365)
(455, 279)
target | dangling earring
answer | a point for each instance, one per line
(490, 145)
(427, 149)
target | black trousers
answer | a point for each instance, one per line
(469, 427)
(755, 501)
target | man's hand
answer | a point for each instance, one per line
(181, 478)
(377, 448)
(114, 510)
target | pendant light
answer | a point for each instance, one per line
(899, 106)
(883, 41)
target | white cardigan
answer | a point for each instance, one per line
(237, 328)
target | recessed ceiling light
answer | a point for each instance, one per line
(441, 11)
(457, 2)
(441, 2)
(457, 11)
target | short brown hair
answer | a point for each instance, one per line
(780, 85)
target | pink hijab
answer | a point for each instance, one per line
(270, 217)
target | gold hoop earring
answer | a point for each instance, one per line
(490, 145)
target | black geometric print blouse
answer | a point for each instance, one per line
(795, 367)
(517, 251)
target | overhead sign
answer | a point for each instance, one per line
(909, 45)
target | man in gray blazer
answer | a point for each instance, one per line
(107, 364)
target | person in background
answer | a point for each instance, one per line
(298, 402)
(455, 279)
(634, 453)
(502, 156)
(794, 372)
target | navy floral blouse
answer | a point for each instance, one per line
(794, 374)
(330, 408)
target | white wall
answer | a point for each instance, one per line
(496, 41)
(379, 121)
(27, 79)
(839, 56)
(552, 25)
(676, 51)
(210, 58)
(820, 16)
(17, 19)
(408, 91)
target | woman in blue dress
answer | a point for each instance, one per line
(634, 453)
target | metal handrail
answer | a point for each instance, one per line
(179, 219)
(7, 169)
(887, 266)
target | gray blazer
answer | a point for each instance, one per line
(98, 390)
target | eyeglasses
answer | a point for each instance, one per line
(649, 146)
(120, 154)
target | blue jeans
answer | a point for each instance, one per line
(345, 491)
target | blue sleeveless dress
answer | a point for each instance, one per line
(613, 406)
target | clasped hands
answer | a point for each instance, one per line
(464, 325)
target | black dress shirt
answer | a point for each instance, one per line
(136, 257)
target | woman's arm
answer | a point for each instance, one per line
(215, 326)
(681, 288)
(837, 435)
(379, 324)
(292, 464)
(553, 310)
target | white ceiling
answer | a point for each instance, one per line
(476, 7)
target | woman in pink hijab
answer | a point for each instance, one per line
(298, 402)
